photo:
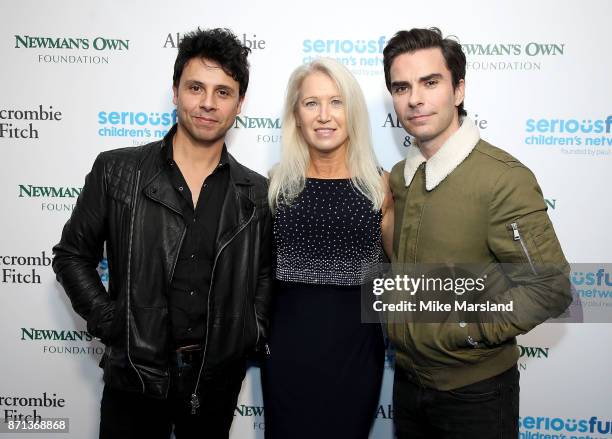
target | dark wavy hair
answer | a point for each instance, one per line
(219, 45)
(415, 39)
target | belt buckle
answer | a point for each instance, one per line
(190, 348)
(184, 354)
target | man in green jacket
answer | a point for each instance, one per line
(460, 200)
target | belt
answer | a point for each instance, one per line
(188, 354)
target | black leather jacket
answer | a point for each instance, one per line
(129, 204)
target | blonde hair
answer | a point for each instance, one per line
(288, 177)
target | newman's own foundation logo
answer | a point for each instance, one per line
(53, 49)
(497, 56)
(62, 341)
(51, 198)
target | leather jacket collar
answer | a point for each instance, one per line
(238, 205)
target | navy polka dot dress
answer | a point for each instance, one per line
(322, 376)
(329, 235)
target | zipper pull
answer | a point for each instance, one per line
(267, 349)
(195, 403)
(515, 231)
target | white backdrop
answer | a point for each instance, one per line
(99, 76)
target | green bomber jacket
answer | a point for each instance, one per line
(474, 203)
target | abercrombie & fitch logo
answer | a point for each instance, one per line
(23, 269)
(16, 404)
(251, 41)
(392, 121)
(19, 129)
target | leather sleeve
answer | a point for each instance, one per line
(263, 293)
(79, 251)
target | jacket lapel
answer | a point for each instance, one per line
(160, 189)
(237, 208)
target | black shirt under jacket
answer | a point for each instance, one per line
(188, 294)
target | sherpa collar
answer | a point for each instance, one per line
(454, 151)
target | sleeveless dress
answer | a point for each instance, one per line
(322, 375)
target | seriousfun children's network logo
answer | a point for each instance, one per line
(540, 427)
(102, 270)
(361, 57)
(592, 284)
(151, 125)
(590, 137)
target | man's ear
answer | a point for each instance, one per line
(459, 92)
(174, 95)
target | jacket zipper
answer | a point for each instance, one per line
(172, 275)
(129, 283)
(266, 346)
(195, 401)
(177, 255)
(517, 237)
(256, 324)
(255, 309)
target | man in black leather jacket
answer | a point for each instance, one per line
(187, 231)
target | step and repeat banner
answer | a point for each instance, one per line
(79, 78)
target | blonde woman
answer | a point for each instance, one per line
(332, 214)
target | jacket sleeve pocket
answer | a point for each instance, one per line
(522, 239)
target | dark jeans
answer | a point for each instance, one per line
(127, 415)
(487, 409)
